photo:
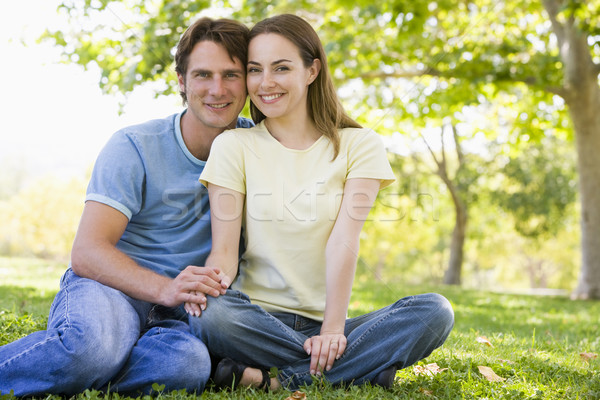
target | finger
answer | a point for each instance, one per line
(323, 356)
(307, 346)
(332, 354)
(194, 309)
(314, 357)
(194, 269)
(225, 283)
(197, 303)
(195, 297)
(204, 285)
(191, 308)
(341, 347)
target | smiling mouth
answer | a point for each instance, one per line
(218, 106)
(271, 97)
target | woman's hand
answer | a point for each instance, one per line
(324, 349)
(196, 302)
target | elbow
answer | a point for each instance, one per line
(79, 256)
(76, 260)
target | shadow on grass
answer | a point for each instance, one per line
(523, 315)
(25, 300)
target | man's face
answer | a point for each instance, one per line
(215, 86)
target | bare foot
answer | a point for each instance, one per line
(252, 377)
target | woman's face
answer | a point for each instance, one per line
(277, 79)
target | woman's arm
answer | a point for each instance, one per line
(226, 207)
(341, 257)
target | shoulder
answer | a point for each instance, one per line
(146, 133)
(240, 135)
(244, 123)
(350, 137)
(151, 127)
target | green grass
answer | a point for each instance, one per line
(536, 341)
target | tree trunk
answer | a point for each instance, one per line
(582, 94)
(453, 273)
(585, 112)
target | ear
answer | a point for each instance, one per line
(314, 70)
(181, 81)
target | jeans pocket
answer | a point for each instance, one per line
(66, 277)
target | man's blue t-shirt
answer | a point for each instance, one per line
(146, 172)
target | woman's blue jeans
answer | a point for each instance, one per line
(99, 338)
(398, 335)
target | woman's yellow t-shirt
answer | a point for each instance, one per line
(292, 201)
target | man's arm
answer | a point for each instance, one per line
(96, 257)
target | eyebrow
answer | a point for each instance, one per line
(283, 60)
(226, 71)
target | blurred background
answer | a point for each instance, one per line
(488, 110)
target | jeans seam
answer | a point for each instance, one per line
(28, 350)
(359, 340)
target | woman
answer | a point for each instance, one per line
(301, 183)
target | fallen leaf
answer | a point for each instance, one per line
(489, 374)
(429, 369)
(484, 340)
(297, 395)
(588, 356)
(426, 392)
(505, 361)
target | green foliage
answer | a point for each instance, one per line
(537, 190)
(536, 345)
(42, 218)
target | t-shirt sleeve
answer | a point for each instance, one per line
(118, 176)
(225, 164)
(367, 158)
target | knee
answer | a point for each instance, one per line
(191, 368)
(92, 358)
(216, 317)
(440, 311)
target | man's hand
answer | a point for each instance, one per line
(324, 349)
(192, 286)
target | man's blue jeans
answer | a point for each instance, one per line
(99, 338)
(400, 335)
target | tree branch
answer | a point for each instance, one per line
(459, 152)
(400, 74)
(552, 8)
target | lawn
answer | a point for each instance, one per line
(503, 346)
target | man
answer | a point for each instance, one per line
(142, 240)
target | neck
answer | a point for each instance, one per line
(294, 133)
(198, 137)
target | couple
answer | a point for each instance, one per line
(301, 183)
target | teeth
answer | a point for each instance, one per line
(219, 105)
(271, 97)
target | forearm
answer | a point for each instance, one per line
(104, 263)
(225, 259)
(341, 266)
(226, 207)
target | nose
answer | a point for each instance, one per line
(267, 80)
(217, 87)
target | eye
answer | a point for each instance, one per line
(282, 68)
(253, 70)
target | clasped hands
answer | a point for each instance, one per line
(193, 285)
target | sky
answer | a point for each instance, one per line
(55, 118)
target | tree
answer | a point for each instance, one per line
(419, 61)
